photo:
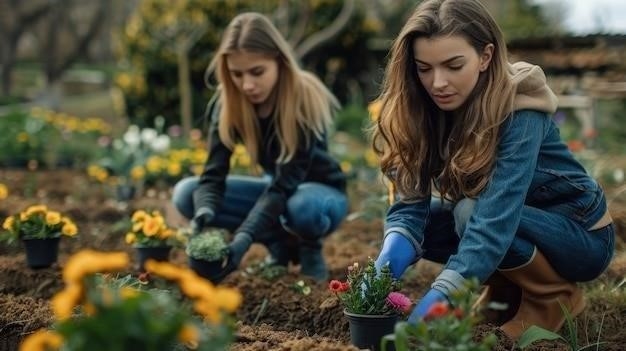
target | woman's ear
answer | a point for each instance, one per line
(485, 57)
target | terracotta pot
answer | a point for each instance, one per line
(366, 331)
(157, 253)
(41, 253)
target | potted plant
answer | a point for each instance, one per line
(40, 230)
(207, 252)
(372, 303)
(150, 236)
(109, 312)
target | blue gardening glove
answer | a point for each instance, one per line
(201, 219)
(423, 306)
(398, 252)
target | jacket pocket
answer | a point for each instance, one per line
(559, 193)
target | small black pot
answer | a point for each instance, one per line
(367, 331)
(211, 270)
(41, 253)
(157, 253)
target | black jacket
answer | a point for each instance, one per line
(309, 164)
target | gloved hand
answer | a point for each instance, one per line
(201, 219)
(236, 249)
(398, 252)
(419, 312)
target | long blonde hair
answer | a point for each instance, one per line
(304, 106)
(410, 133)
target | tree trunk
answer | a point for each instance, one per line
(184, 88)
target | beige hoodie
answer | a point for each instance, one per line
(532, 91)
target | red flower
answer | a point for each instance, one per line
(437, 310)
(337, 286)
(334, 286)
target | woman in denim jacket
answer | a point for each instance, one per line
(460, 123)
(281, 114)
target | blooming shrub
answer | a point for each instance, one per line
(148, 229)
(37, 222)
(445, 327)
(366, 292)
(98, 312)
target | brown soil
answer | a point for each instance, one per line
(274, 315)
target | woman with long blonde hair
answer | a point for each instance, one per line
(484, 183)
(282, 115)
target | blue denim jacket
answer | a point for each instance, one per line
(533, 167)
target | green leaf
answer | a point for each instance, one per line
(535, 333)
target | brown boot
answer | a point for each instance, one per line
(542, 290)
(499, 300)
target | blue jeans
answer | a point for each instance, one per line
(313, 211)
(575, 253)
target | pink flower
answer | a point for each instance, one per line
(399, 301)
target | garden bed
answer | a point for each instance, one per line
(275, 314)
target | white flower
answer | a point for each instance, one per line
(160, 144)
(618, 175)
(132, 136)
(148, 135)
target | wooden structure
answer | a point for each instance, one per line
(580, 69)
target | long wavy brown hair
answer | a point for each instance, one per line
(304, 107)
(419, 144)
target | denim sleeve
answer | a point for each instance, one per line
(409, 219)
(496, 217)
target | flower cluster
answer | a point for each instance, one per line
(99, 312)
(210, 245)
(446, 327)
(148, 229)
(369, 292)
(37, 222)
(126, 157)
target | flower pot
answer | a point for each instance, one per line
(157, 253)
(366, 331)
(210, 270)
(41, 253)
(125, 192)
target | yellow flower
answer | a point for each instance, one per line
(374, 109)
(164, 269)
(130, 238)
(228, 299)
(41, 340)
(53, 218)
(88, 261)
(151, 226)
(139, 215)
(64, 301)
(4, 191)
(189, 334)
(8, 223)
(69, 229)
(35, 209)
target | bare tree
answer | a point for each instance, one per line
(16, 17)
(65, 37)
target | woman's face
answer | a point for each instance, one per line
(448, 67)
(255, 75)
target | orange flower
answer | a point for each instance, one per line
(437, 310)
